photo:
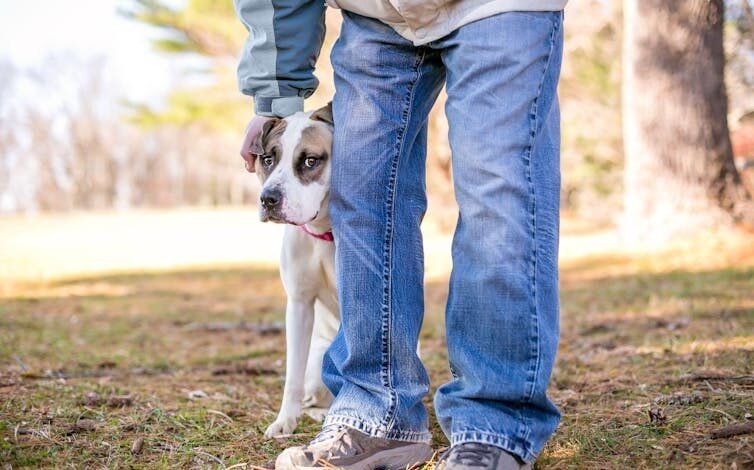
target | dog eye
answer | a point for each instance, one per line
(268, 160)
(311, 162)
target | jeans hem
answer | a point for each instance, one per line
(497, 440)
(376, 430)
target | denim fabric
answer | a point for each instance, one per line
(501, 75)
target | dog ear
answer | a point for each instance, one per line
(323, 114)
(257, 145)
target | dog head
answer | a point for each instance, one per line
(293, 165)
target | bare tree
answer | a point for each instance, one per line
(679, 170)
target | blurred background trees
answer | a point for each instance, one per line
(65, 144)
(89, 152)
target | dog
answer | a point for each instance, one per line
(291, 157)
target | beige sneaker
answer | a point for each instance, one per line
(477, 456)
(348, 449)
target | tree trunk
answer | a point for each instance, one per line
(679, 170)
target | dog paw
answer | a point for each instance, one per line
(281, 427)
(317, 414)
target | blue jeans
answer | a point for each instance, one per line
(501, 75)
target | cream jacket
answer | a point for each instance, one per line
(423, 21)
(285, 37)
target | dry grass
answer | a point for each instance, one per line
(168, 367)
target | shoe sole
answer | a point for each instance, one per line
(393, 459)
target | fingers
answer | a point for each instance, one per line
(247, 138)
(251, 132)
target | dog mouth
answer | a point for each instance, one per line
(272, 217)
(278, 218)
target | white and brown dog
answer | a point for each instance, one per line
(291, 156)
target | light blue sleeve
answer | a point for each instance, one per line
(277, 63)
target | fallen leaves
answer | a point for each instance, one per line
(120, 401)
(680, 398)
(137, 445)
(657, 415)
(91, 399)
(82, 425)
(114, 401)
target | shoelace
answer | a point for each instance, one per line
(342, 445)
(472, 454)
(326, 433)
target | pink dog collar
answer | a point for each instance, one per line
(327, 236)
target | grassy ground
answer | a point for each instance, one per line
(182, 368)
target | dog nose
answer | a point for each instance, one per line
(270, 198)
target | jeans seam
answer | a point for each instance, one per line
(534, 117)
(387, 309)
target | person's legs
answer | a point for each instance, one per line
(385, 88)
(502, 312)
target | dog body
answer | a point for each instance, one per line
(292, 160)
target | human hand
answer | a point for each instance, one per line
(252, 131)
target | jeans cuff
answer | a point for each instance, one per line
(375, 430)
(497, 440)
(280, 106)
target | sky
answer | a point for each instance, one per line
(33, 30)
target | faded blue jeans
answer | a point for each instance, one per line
(501, 75)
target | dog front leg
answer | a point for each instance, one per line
(299, 320)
